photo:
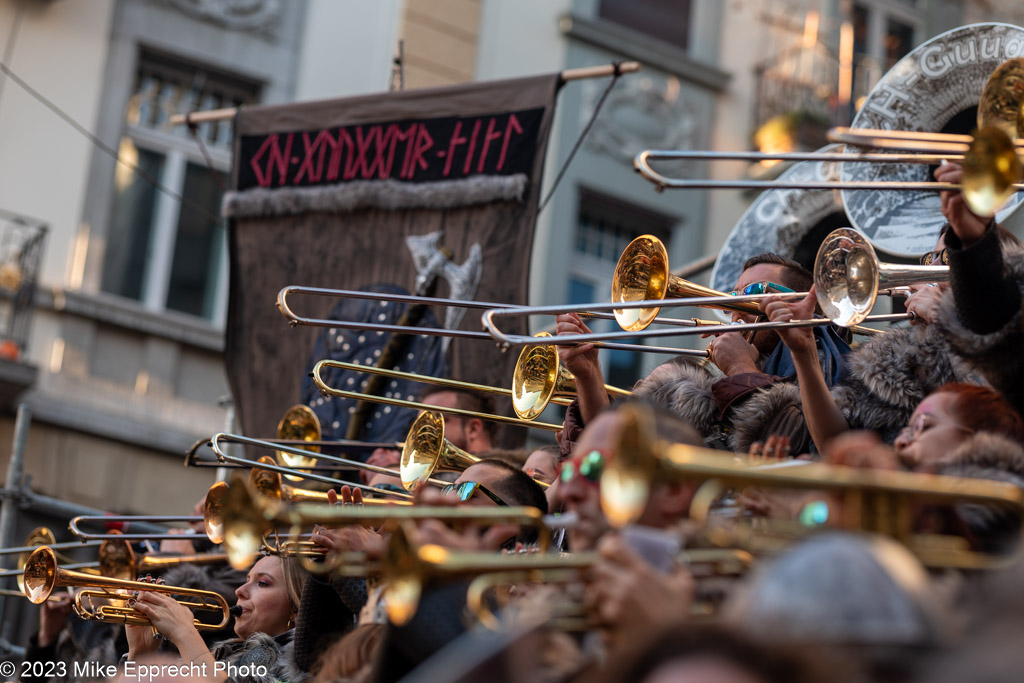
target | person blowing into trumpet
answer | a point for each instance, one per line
(723, 399)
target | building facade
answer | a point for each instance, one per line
(128, 325)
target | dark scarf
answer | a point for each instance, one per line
(831, 350)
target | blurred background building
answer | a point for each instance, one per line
(120, 361)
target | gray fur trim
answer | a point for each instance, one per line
(751, 416)
(892, 373)
(990, 354)
(275, 653)
(988, 456)
(368, 194)
(685, 390)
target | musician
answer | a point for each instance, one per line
(269, 600)
(471, 434)
(982, 319)
(746, 380)
(579, 481)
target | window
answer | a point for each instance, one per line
(884, 31)
(604, 229)
(667, 20)
(171, 255)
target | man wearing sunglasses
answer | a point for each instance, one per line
(719, 403)
(578, 486)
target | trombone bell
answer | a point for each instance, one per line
(299, 423)
(848, 275)
(427, 451)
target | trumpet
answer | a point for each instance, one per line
(246, 519)
(99, 599)
(874, 501)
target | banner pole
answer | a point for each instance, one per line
(211, 115)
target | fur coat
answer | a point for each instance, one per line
(996, 356)
(273, 652)
(887, 377)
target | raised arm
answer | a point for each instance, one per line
(824, 419)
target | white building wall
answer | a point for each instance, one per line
(60, 50)
(347, 48)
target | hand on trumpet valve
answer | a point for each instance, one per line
(346, 495)
(168, 617)
(797, 339)
(967, 225)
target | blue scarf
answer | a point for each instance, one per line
(831, 349)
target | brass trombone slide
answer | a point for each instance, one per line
(872, 500)
(992, 171)
(270, 483)
(246, 519)
(193, 459)
(117, 560)
(187, 534)
(98, 598)
(317, 375)
(508, 340)
(294, 319)
(218, 439)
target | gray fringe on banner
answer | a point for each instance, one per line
(373, 194)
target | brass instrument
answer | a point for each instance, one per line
(540, 378)
(41, 536)
(269, 483)
(294, 319)
(117, 560)
(299, 423)
(848, 274)
(317, 375)
(427, 451)
(99, 598)
(992, 168)
(720, 562)
(76, 522)
(218, 439)
(871, 500)
(245, 519)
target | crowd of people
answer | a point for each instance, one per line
(664, 599)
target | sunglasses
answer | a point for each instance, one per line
(764, 288)
(929, 257)
(590, 467)
(394, 488)
(466, 489)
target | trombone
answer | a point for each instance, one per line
(992, 168)
(538, 379)
(874, 501)
(269, 482)
(217, 439)
(246, 519)
(100, 599)
(326, 389)
(41, 536)
(295, 319)
(848, 275)
(117, 560)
